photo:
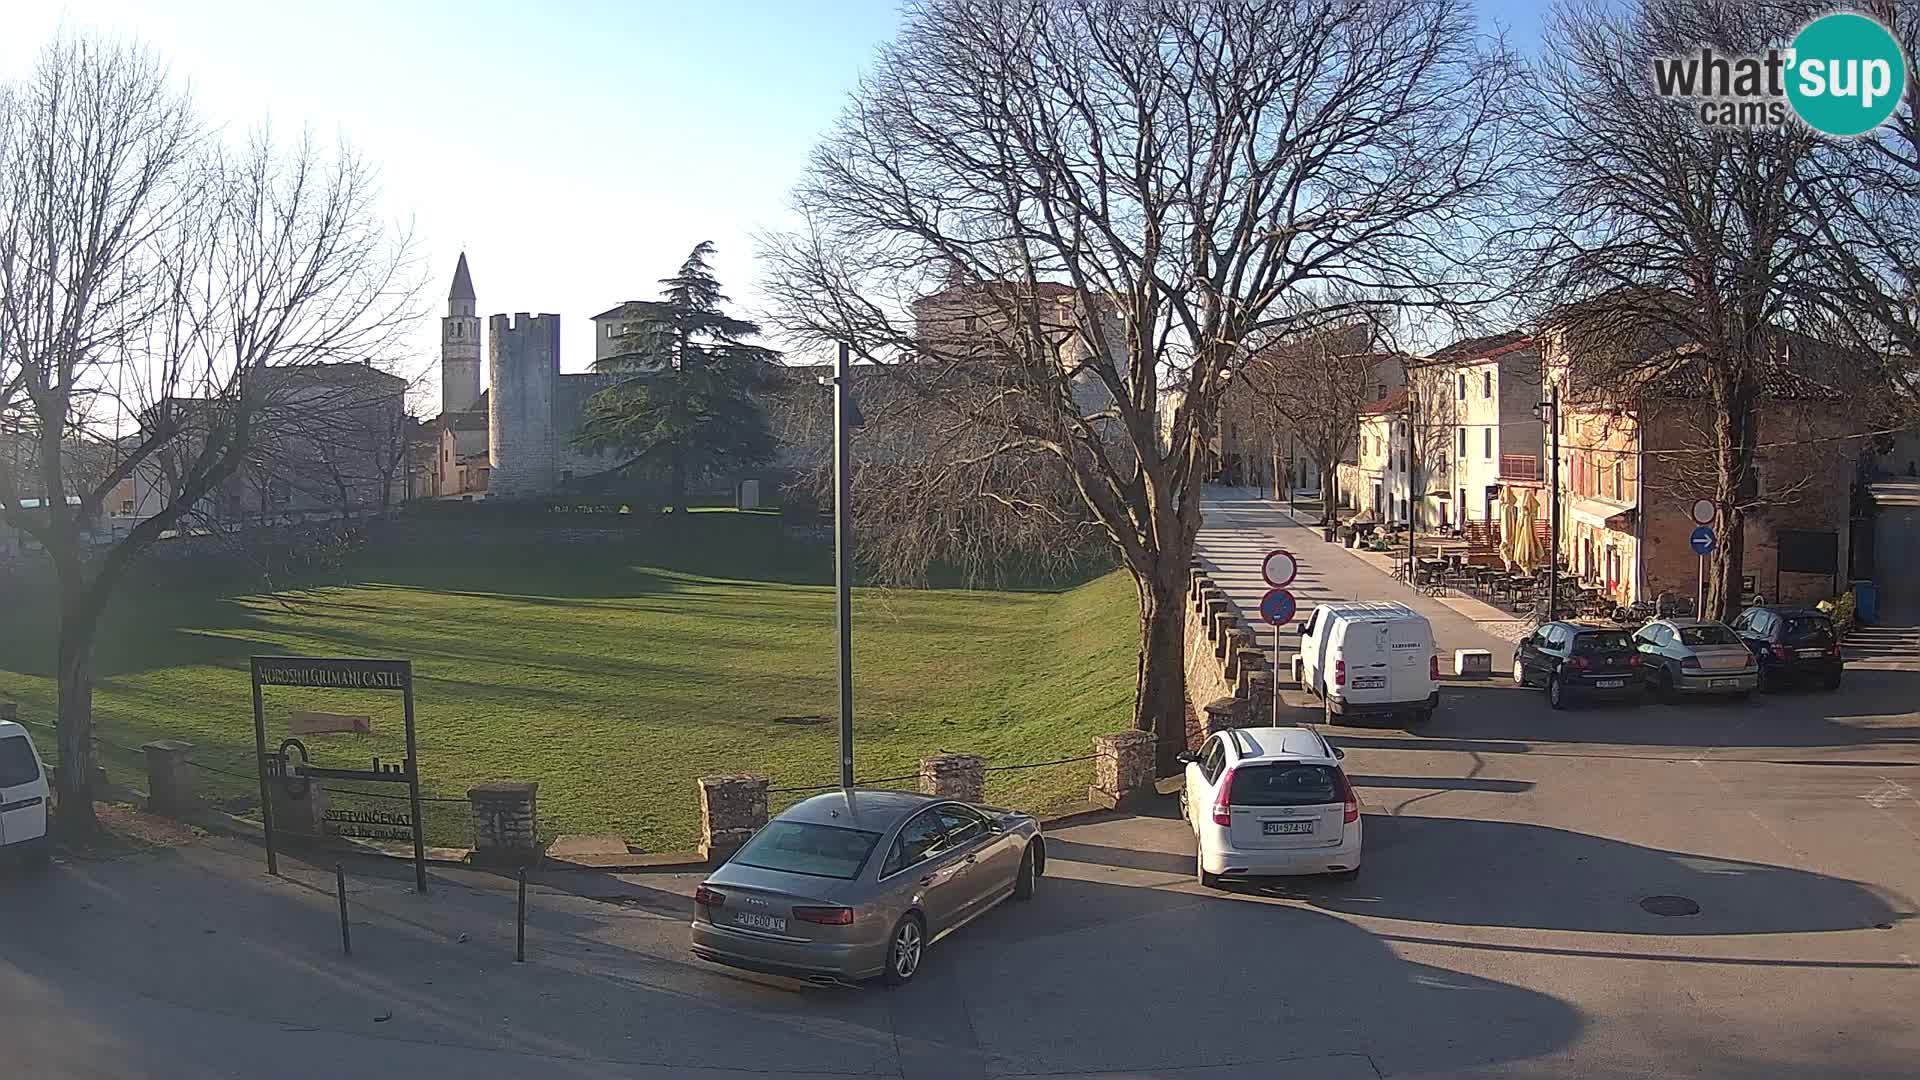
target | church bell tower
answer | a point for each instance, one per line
(460, 345)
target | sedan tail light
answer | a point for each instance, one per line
(1353, 801)
(1577, 663)
(1781, 652)
(1634, 660)
(1222, 810)
(709, 898)
(1689, 661)
(1433, 667)
(825, 916)
(1339, 673)
(1833, 650)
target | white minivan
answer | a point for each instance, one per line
(1370, 658)
(23, 796)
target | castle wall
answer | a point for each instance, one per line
(523, 366)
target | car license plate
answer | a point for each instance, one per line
(1283, 828)
(1369, 682)
(758, 922)
(1610, 684)
(1813, 652)
(1723, 682)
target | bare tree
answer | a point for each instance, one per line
(151, 282)
(1671, 251)
(1070, 207)
(1316, 382)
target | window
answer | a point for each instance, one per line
(796, 847)
(612, 331)
(962, 825)
(1486, 385)
(1463, 385)
(1379, 391)
(1807, 630)
(1286, 784)
(1486, 443)
(17, 764)
(1213, 759)
(1708, 634)
(921, 838)
(126, 507)
(1463, 442)
(1619, 486)
(1595, 642)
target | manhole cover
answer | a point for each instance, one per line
(1670, 905)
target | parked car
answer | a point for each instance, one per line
(23, 796)
(1270, 801)
(1576, 661)
(1695, 656)
(853, 885)
(1793, 646)
(1370, 658)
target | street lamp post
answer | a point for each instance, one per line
(844, 419)
(1549, 409)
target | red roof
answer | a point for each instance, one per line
(1482, 348)
(1394, 402)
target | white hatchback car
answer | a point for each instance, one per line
(23, 796)
(1271, 801)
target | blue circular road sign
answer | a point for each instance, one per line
(1277, 607)
(1702, 540)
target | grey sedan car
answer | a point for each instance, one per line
(854, 885)
(1695, 656)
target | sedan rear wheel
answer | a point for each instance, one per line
(904, 950)
(1029, 876)
(1556, 696)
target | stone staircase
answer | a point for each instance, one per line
(1884, 643)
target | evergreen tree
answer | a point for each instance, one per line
(686, 397)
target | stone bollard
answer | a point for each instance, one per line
(1239, 641)
(506, 822)
(732, 808)
(1260, 691)
(1228, 622)
(1218, 609)
(169, 777)
(1208, 591)
(954, 776)
(1224, 713)
(1122, 769)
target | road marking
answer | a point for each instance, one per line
(1888, 793)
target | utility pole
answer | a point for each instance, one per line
(843, 556)
(1293, 481)
(1411, 502)
(1553, 512)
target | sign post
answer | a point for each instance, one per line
(1277, 608)
(338, 673)
(1702, 543)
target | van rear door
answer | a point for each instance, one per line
(1411, 663)
(1366, 649)
(23, 803)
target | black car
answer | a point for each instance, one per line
(1573, 660)
(1794, 645)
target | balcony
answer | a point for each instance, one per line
(1519, 467)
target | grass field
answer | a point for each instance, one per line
(616, 673)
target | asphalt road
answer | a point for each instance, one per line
(1497, 930)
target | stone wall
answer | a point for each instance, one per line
(1230, 681)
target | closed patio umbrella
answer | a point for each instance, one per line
(1526, 547)
(1508, 515)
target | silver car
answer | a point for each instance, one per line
(848, 886)
(1695, 656)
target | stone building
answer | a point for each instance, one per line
(1630, 471)
(513, 439)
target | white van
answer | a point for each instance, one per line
(23, 796)
(1370, 658)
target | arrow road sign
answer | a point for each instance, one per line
(1279, 568)
(1702, 540)
(1277, 607)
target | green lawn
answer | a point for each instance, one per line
(616, 673)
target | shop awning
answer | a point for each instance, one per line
(1603, 515)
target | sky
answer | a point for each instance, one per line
(576, 150)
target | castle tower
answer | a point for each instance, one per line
(460, 345)
(523, 366)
